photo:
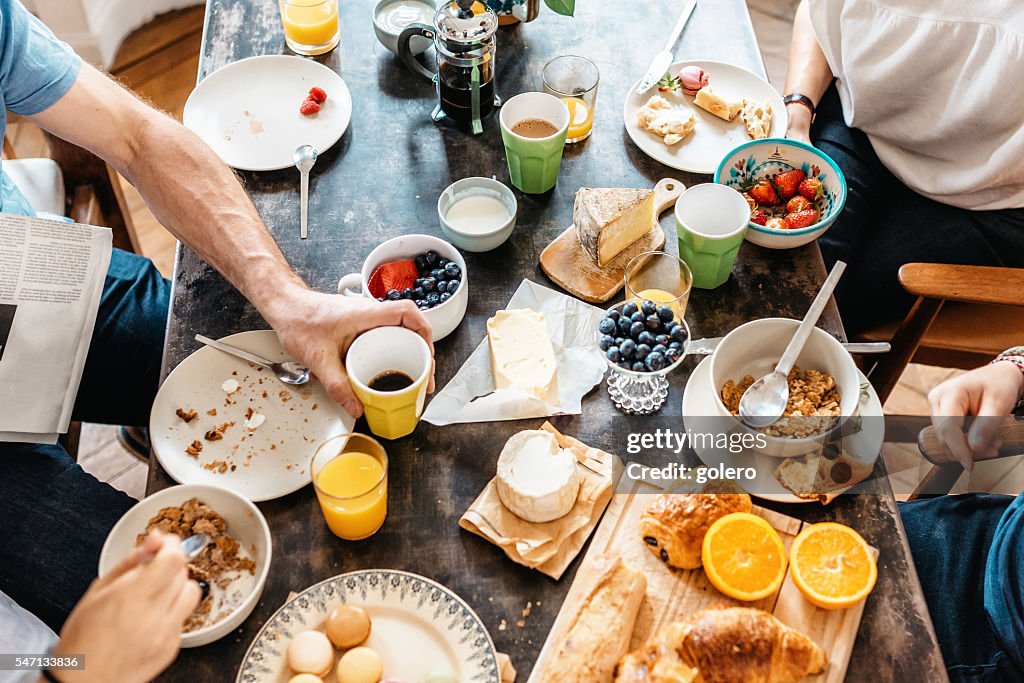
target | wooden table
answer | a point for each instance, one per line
(382, 179)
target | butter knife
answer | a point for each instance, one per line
(663, 60)
(704, 347)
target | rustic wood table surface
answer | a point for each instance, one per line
(383, 179)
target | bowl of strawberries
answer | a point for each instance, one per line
(794, 190)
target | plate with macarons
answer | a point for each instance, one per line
(372, 625)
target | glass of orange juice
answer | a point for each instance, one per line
(310, 26)
(574, 80)
(661, 277)
(350, 476)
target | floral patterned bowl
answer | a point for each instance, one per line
(759, 159)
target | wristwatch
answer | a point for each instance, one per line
(800, 98)
(1015, 356)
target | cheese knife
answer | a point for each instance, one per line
(663, 60)
(704, 347)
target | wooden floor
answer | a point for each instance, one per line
(159, 62)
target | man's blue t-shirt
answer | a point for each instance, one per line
(36, 70)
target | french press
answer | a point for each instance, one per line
(463, 35)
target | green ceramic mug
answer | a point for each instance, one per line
(711, 222)
(533, 162)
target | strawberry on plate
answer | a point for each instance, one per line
(318, 94)
(777, 224)
(811, 188)
(787, 182)
(802, 219)
(764, 193)
(798, 203)
(309, 107)
(758, 216)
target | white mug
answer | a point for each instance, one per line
(443, 318)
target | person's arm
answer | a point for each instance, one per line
(197, 197)
(808, 74)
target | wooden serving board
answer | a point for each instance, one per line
(572, 269)
(673, 594)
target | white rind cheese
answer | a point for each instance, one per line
(608, 220)
(522, 354)
(537, 481)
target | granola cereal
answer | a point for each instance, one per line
(186, 415)
(813, 402)
(194, 448)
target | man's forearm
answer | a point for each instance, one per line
(809, 73)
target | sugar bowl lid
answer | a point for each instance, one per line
(465, 21)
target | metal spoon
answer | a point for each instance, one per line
(288, 372)
(765, 400)
(304, 158)
(193, 545)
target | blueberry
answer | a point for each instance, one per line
(659, 348)
(453, 285)
(394, 295)
(421, 262)
(408, 293)
(438, 274)
(641, 351)
(645, 337)
(607, 326)
(429, 284)
(613, 354)
(666, 313)
(452, 269)
(442, 286)
(675, 345)
(649, 307)
(679, 334)
(673, 354)
(661, 339)
(418, 292)
(653, 322)
(638, 366)
(433, 298)
(605, 342)
(422, 303)
(628, 348)
(624, 325)
(613, 314)
(446, 296)
(432, 258)
(637, 317)
(418, 282)
(619, 340)
(655, 361)
(635, 329)
(630, 308)
(442, 262)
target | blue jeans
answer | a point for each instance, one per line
(949, 539)
(54, 516)
(885, 225)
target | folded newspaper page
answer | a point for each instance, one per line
(51, 281)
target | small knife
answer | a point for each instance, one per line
(704, 347)
(663, 60)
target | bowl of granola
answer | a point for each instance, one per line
(231, 570)
(824, 386)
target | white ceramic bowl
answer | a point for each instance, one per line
(754, 348)
(443, 318)
(759, 159)
(477, 241)
(245, 524)
(388, 32)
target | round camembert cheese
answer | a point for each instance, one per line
(537, 481)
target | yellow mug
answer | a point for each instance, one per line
(389, 368)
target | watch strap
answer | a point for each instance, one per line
(800, 98)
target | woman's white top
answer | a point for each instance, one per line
(938, 87)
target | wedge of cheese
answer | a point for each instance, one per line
(522, 354)
(608, 220)
(537, 481)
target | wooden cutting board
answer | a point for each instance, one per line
(572, 269)
(673, 594)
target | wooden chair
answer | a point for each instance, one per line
(945, 470)
(964, 316)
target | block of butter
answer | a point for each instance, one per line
(522, 354)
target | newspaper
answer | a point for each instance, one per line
(51, 281)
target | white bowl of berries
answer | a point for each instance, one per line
(794, 190)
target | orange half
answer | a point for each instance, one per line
(744, 557)
(832, 565)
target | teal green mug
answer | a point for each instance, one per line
(533, 128)
(711, 222)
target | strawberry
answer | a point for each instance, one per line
(811, 188)
(758, 216)
(764, 193)
(776, 224)
(309, 107)
(802, 219)
(787, 182)
(318, 95)
(798, 203)
(750, 201)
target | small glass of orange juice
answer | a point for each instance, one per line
(574, 80)
(310, 26)
(350, 476)
(661, 277)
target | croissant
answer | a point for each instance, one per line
(674, 525)
(728, 645)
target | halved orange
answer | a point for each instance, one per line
(743, 557)
(832, 565)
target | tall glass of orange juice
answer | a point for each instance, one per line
(350, 476)
(660, 277)
(574, 80)
(310, 26)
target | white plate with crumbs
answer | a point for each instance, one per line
(255, 435)
(248, 111)
(712, 138)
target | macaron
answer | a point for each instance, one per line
(348, 626)
(310, 652)
(360, 665)
(305, 678)
(693, 78)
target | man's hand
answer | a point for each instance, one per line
(318, 328)
(128, 624)
(988, 392)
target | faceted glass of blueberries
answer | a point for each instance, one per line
(639, 364)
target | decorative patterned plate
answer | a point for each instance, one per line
(419, 626)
